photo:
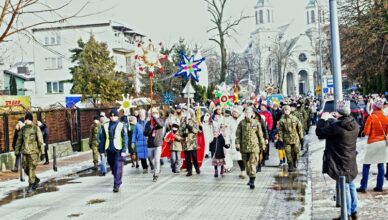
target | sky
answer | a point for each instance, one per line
(168, 20)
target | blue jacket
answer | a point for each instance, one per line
(140, 140)
(111, 127)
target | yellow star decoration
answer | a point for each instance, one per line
(126, 104)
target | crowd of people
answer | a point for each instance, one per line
(241, 134)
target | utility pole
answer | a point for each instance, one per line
(335, 51)
(320, 74)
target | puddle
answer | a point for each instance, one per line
(95, 201)
(74, 215)
(49, 186)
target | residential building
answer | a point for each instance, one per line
(52, 55)
(24, 77)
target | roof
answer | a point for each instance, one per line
(312, 3)
(70, 27)
(20, 76)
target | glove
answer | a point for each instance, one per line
(41, 157)
(266, 141)
(326, 115)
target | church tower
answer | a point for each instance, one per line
(264, 14)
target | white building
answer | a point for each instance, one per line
(301, 76)
(52, 55)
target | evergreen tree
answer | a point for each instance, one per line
(94, 75)
(13, 90)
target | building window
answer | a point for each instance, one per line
(268, 16)
(53, 63)
(257, 18)
(261, 17)
(308, 18)
(302, 57)
(54, 87)
(52, 39)
(312, 16)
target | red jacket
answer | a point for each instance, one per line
(373, 129)
(268, 119)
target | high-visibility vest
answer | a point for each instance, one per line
(117, 139)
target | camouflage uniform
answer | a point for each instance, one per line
(250, 141)
(30, 143)
(93, 141)
(300, 116)
(290, 133)
(307, 118)
(188, 130)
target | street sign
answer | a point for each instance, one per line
(318, 90)
(330, 83)
(325, 90)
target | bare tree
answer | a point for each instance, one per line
(15, 11)
(283, 53)
(223, 28)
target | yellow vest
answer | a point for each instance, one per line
(117, 139)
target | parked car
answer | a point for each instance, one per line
(356, 111)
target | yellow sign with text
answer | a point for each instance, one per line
(14, 103)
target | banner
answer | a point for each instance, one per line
(15, 103)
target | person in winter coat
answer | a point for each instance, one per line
(132, 151)
(264, 127)
(249, 141)
(237, 117)
(30, 143)
(217, 152)
(154, 133)
(114, 143)
(189, 131)
(276, 115)
(281, 152)
(139, 140)
(93, 140)
(376, 128)
(269, 121)
(339, 157)
(44, 130)
(18, 127)
(207, 131)
(173, 141)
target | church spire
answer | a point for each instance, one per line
(264, 13)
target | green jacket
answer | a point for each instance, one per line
(188, 130)
(93, 137)
(300, 116)
(30, 140)
(249, 136)
(290, 130)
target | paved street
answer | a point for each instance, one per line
(172, 197)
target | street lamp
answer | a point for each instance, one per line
(320, 77)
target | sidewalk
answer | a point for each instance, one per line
(371, 205)
(77, 162)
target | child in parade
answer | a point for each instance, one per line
(281, 152)
(172, 142)
(217, 152)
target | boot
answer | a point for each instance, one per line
(290, 167)
(36, 184)
(30, 189)
(252, 182)
(242, 175)
(258, 168)
(95, 167)
(295, 164)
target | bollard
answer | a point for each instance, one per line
(342, 193)
(21, 167)
(55, 168)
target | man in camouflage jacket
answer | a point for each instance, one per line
(30, 143)
(188, 131)
(93, 140)
(290, 134)
(250, 141)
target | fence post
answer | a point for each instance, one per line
(79, 134)
(344, 214)
(55, 168)
(6, 133)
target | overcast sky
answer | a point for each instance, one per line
(167, 20)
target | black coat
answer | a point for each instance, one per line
(217, 147)
(276, 115)
(339, 157)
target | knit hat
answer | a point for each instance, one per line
(97, 117)
(343, 107)
(114, 112)
(379, 104)
(28, 116)
(264, 103)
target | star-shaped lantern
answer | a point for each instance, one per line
(168, 98)
(189, 67)
(126, 104)
(147, 58)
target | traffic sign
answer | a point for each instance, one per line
(325, 90)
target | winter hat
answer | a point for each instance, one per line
(124, 118)
(343, 107)
(114, 112)
(97, 117)
(21, 120)
(286, 107)
(28, 116)
(237, 109)
(175, 126)
(378, 104)
(264, 103)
